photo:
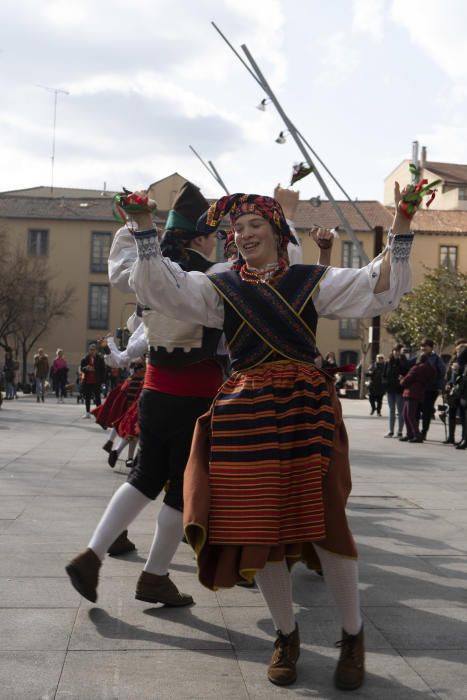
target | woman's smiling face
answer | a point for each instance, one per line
(256, 240)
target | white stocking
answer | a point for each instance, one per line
(121, 446)
(131, 448)
(168, 535)
(126, 503)
(275, 584)
(341, 575)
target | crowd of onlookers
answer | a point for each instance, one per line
(412, 386)
(92, 381)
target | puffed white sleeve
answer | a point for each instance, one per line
(121, 258)
(165, 287)
(349, 293)
(136, 348)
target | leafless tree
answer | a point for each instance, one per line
(29, 301)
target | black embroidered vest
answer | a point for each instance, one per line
(264, 323)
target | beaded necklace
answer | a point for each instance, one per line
(272, 270)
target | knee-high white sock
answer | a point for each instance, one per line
(168, 535)
(126, 503)
(275, 584)
(113, 434)
(131, 448)
(341, 575)
(121, 445)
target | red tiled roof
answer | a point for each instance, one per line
(440, 221)
(57, 193)
(375, 213)
(450, 173)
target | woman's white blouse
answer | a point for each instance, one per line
(342, 292)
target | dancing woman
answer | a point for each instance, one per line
(268, 476)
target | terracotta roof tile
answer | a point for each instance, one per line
(451, 173)
(440, 221)
(324, 215)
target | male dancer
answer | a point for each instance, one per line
(181, 379)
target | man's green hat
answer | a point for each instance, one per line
(188, 206)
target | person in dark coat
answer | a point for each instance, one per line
(436, 385)
(92, 377)
(9, 370)
(394, 368)
(414, 383)
(330, 361)
(376, 388)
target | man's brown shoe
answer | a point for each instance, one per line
(160, 589)
(350, 671)
(83, 571)
(282, 669)
(122, 545)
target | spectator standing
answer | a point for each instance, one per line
(456, 393)
(330, 361)
(9, 369)
(435, 386)
(41, 372)
(394, 368)
(419, 376)
(59, 375)
(376, 388)
(462, 445)
(92, 377)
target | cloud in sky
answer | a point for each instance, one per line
(360, 79)
(438, 29)
(154, 76)
(368, 18)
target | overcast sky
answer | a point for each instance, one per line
(360, 78)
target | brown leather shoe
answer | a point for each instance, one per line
(282, 669)
(83, 571)
(160, 589)
(350, 671)
(122, 545)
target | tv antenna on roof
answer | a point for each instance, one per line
(56, 92)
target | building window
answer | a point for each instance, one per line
(349, 328)
(38, 242)
(348, 357)
(448, 257)
(100, 248)
(462, 193)
(350, 255)
(98, 306)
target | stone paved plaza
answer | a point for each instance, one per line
(408, 512)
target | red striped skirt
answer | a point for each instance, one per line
(271, 438)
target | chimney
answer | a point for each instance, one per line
(423, 158)
(415, 153)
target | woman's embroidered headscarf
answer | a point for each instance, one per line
(237, 205)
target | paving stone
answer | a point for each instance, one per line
(445, 671)
(146, 675)
(149, 627)
(33, 592)
(429, 628)
(29, 629)
(29, 675)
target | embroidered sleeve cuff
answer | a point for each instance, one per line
(400, 246)
(147, 244)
